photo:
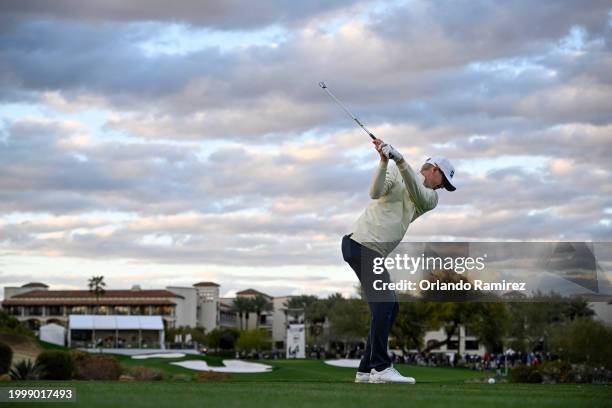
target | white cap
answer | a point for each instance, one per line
(447, 170)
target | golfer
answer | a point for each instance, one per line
(400, 196)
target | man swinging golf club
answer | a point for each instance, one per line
(400, 196)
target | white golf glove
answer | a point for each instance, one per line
(390, 152)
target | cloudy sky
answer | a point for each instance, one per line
(165, 143)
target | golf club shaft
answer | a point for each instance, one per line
(326, 89)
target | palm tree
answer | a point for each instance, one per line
(96, 286)
(249, 308)
(240, 306)
(260, 305)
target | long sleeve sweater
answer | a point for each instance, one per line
(399, 197)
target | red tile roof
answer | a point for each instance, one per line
(128, 294)
(206, 284)
(79, 302)
(252, 292)
(34, 285)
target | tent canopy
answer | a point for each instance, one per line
(115, 322)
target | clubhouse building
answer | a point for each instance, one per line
(115, 311)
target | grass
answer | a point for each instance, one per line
(296, 394)
(307, 383)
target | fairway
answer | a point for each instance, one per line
(296, 383)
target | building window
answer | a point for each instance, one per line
(78, 310)
(471, 345)
(54, 310)
(163, 310)
(34, 311)
(140, 310)
(101, 310)
(122, 310)
(262, 319)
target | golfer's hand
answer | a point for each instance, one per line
(377, 143)
(391, 153)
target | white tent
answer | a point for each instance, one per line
(116, 325)
(112, 322)
(53, 333)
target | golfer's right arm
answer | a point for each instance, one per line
(381, 184)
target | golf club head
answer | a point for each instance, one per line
(322, 85)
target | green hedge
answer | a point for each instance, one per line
(57, 364)
(6, 358)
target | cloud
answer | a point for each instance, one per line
(231, 155)
(224, 14)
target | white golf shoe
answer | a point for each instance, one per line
(362, 377)
(389, 375)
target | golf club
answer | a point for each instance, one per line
(326, 89)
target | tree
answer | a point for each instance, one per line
(583, 340)
(96, 286)
(298, 305)
(491, 325)
(260, 304)
(10, 324)
(257, 339)
(450, 309)
(451, 315)
(197, 334)
(349, 319)
(242, 306)
(412, 323)
(222, 338)
(249, 307)
(532, 323)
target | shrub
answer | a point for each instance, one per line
(582, 373)
(526, 374)
(96, 367)
(212, 376)
(6, 358)
(555, 371)
(143, 373)
(26, 370)
(560, 372)
(56, 364)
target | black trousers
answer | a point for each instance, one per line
(383, 304)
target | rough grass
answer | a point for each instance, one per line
(296, 394)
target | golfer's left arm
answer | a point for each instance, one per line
(424, 198)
